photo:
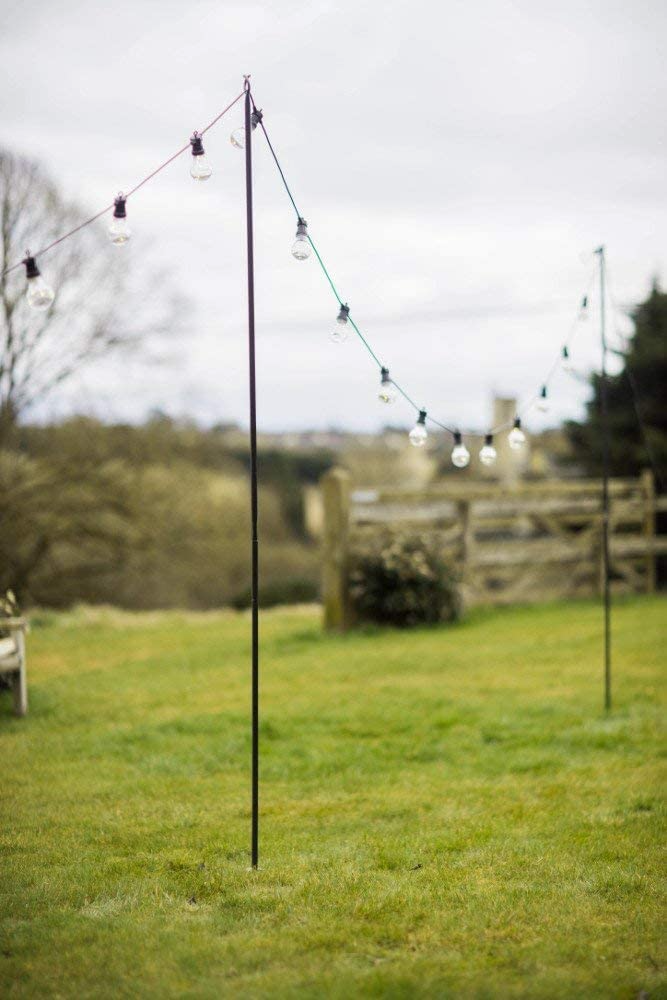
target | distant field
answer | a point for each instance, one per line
(445, 812)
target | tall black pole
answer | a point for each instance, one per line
(254, 581)
(604, 409)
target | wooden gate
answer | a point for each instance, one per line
(529, 542)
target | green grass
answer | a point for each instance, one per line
(445, 812)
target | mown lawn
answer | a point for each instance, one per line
(445, 812)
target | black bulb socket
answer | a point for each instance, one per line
(421, 419)
(119, 208)
(566, 353)
(301, 227)
(31, 269)
(197, 145)
(517, 423)
(457, 438)
(343, 314)
(543, 392)
(255, 118)
(385, 376)
(488, 440)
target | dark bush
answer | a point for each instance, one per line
(294, 590)
(402, 580)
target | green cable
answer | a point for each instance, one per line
(340, 302)
(327, 275)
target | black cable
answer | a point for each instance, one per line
(277, 163)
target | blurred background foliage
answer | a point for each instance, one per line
(636, 396)
(147, 516)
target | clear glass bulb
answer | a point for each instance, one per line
(543, 404)
(301, 249)
(418, 435)
(387, 393)
(460, 456)
(201, 169)
(339, 333)
(237, 138)
(119, 231)
(488, 455)
(39, 294)
(516, 438)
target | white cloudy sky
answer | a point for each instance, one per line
(456, 161)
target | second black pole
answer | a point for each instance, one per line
(254, 544)
(604, 412)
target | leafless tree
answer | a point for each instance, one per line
(97, 308)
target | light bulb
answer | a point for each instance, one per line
(301, 245)
(418, 434)
(565, 359)
(488, 454)
(237, 138)
(200, 169)
(339, 333)
(39, 294)
(460, 454)
(387, 393)
(516, 437)
(543, 402)
(119, 231)
(583, 309)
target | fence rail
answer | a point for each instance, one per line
(528, 542)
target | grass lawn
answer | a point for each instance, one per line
(445, 812)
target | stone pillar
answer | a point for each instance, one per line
(510, 464)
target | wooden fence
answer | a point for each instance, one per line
(530, 542)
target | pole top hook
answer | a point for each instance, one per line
(246, 81)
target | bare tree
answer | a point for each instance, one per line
(96, 309)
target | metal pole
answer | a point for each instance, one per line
(604, 408)
(254, 826)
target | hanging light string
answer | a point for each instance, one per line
(41, 297)
(310, 240)
(563, 352)
(325, 271)
(107, 208)
(557, 364)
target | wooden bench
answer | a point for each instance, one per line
(12, 661)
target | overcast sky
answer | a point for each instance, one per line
(456, 162)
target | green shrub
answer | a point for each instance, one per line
(402, 580)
